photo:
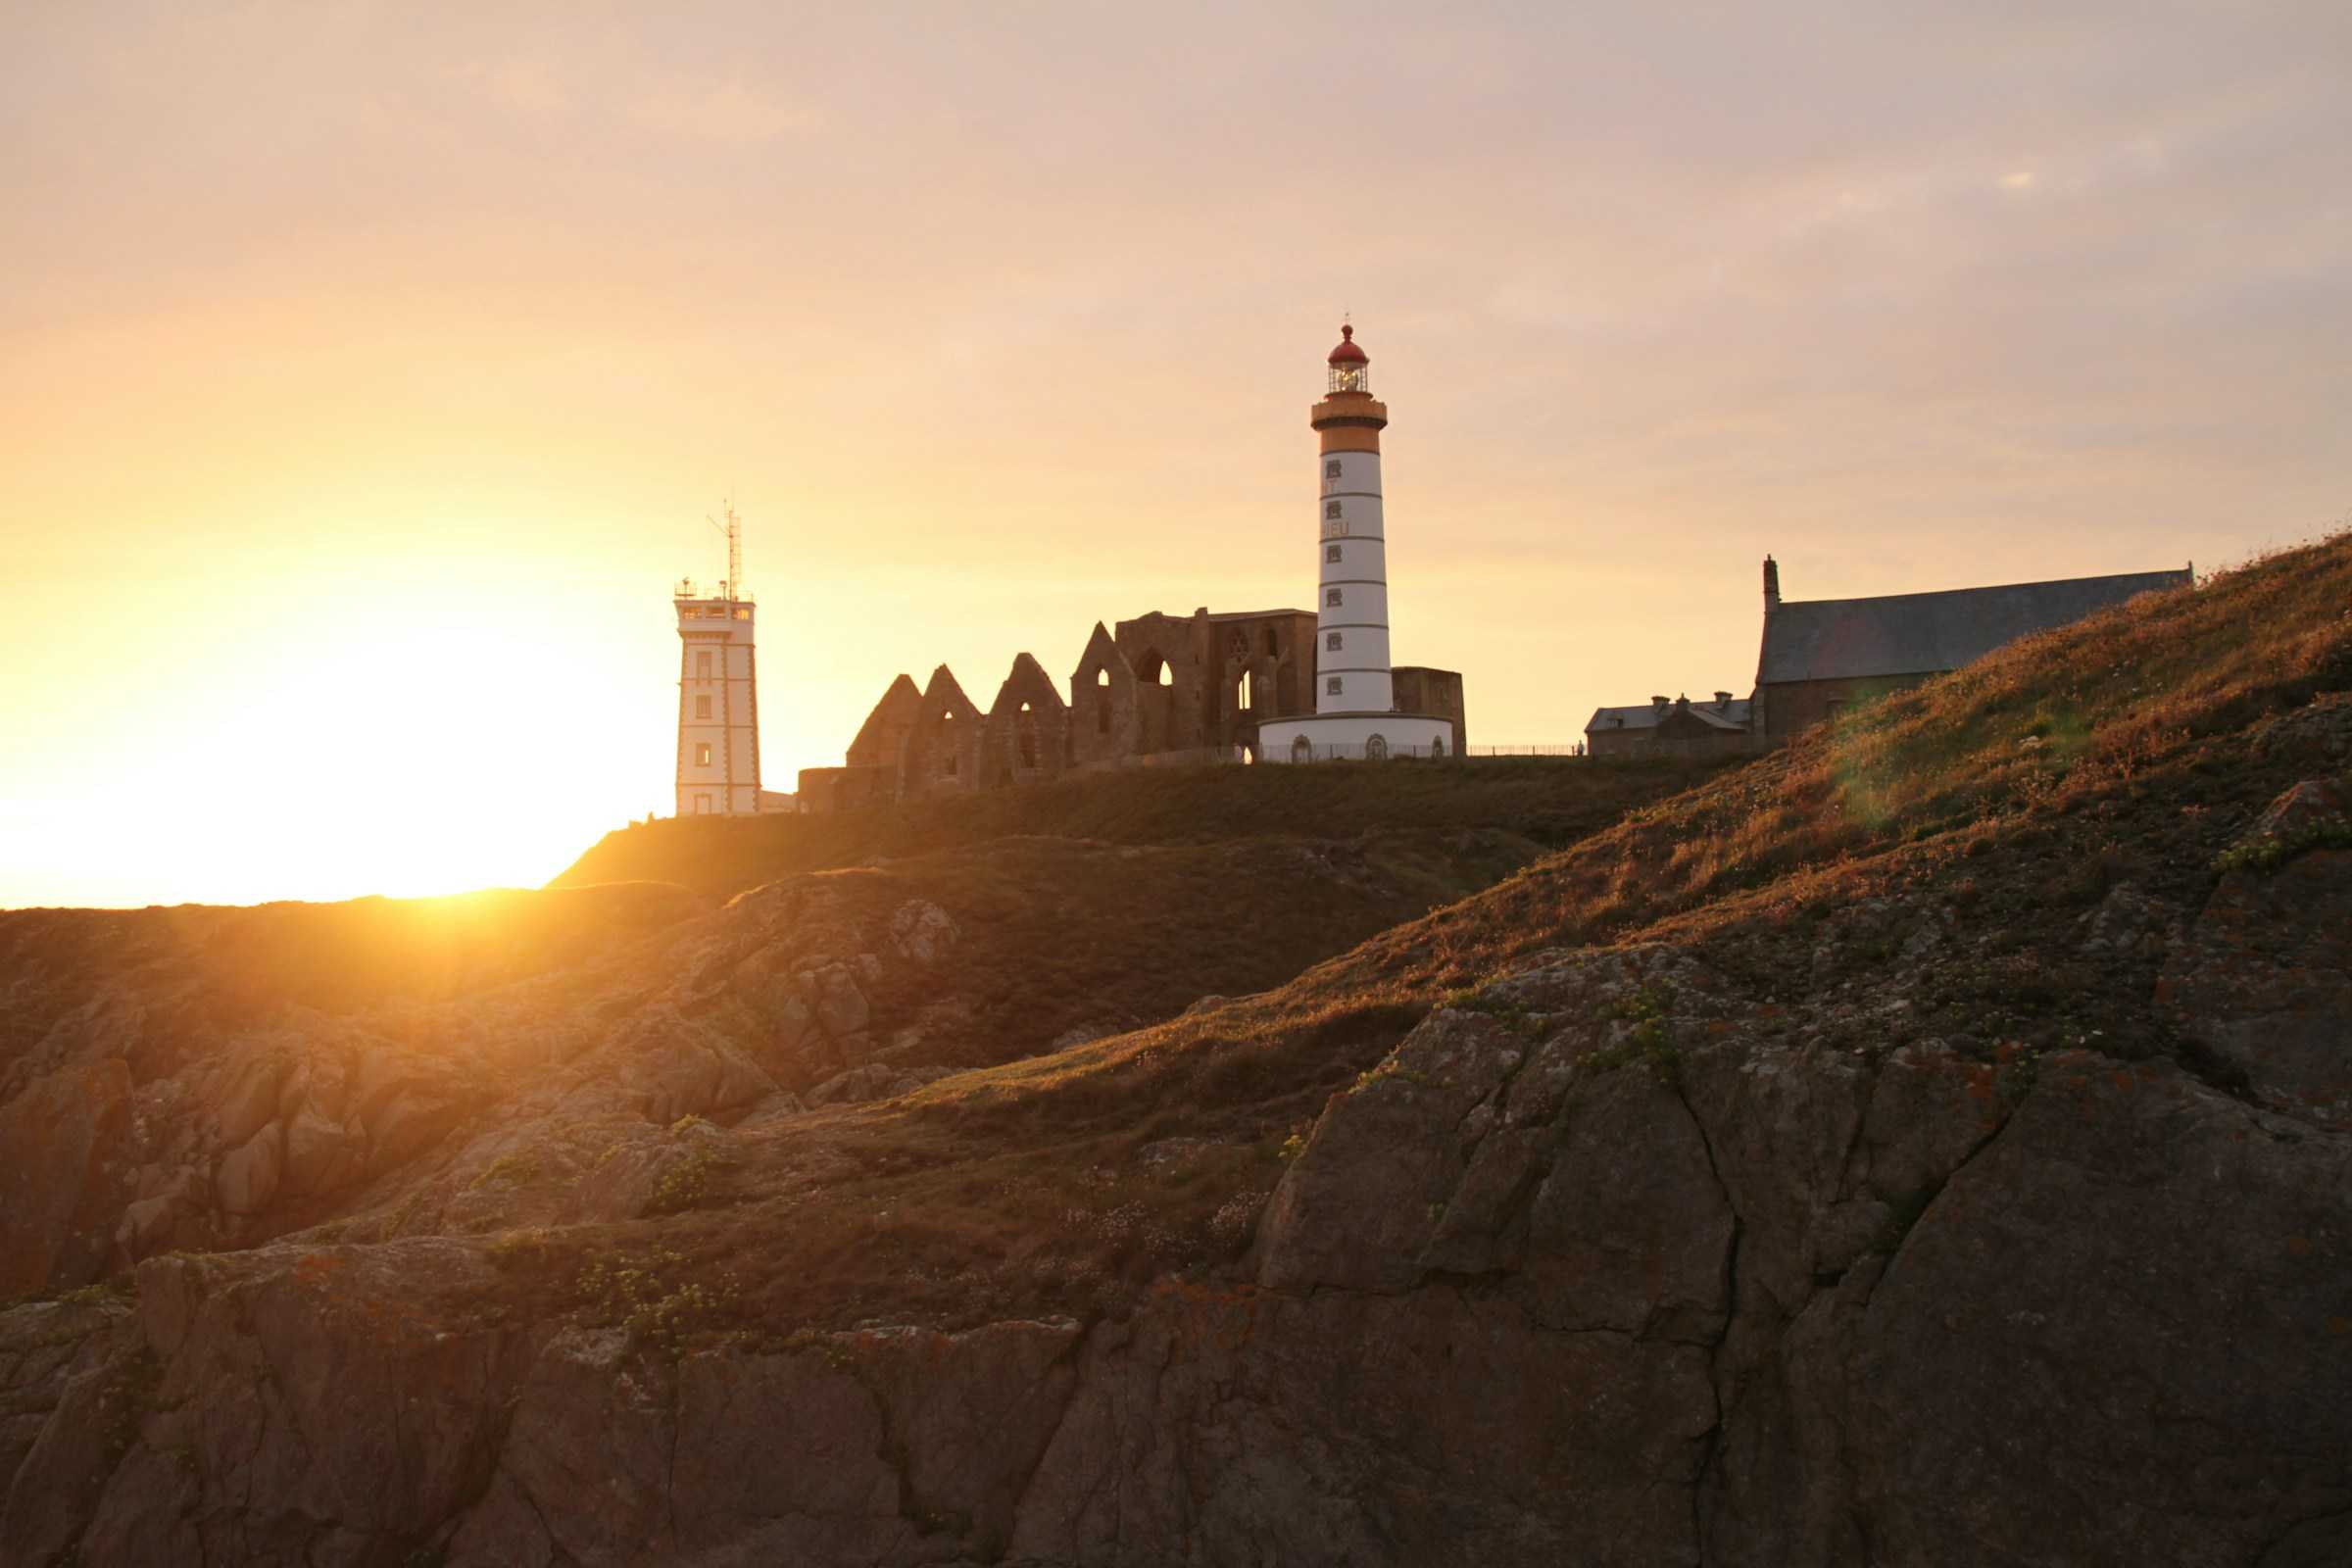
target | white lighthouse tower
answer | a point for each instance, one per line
(1355, 713)
(718, 693)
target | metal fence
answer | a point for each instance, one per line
(1360, 754)
(1565, 749)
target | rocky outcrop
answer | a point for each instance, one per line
(1742, 1244)
(1604, 1263)
(1913, 1286)
(2264, 979)
(63, 1176)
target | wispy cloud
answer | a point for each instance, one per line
(523, 87)
(728, 113)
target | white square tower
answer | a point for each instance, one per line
(718, 694)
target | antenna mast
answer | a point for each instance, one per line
(732, 588)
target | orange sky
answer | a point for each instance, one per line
(367, 370)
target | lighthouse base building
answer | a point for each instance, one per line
(1357, 714)
(1356, 736)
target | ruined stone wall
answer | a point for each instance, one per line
(883, 735)
(1104, 724)
(1027, 733)
(1159, 685)
(1264, 651)
(1172, 690)
(942, 754)
(847, 789)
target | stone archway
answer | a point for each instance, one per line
(1302, 750)
(1376, 748)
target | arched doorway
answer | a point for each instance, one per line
(1302, 750)
(1437, 746)
(1376, 749)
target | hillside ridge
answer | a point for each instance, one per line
(1693, 1192)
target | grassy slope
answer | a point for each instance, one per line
(1548, 802)
(2017, 791)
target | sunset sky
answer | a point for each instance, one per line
(366, 370)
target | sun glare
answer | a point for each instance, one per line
(407, 744)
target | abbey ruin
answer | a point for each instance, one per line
(1158, 689)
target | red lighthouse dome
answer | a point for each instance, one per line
(1349, 365)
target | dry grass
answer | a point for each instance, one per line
(1548, 802)
(2018, 790)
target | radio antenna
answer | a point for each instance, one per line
(732, 588)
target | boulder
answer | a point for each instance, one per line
(873, 1081)
(321, 1154)
(334, 1404)
(832, 993)
(2264, 977)
(1360, 1204)
(152, 1224)
(248, 1176)
(244, 1097)
(60, 1184)
(921, 931)
(2118, 1336)
(1351, 1428)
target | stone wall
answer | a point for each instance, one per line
(1422, 690)
(1159, 686)
(1792, 706)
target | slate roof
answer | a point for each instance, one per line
(1646, 715)
(1921, 634)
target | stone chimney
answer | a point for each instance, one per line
(1659, 702)
(1723, 699)
(1772, 583)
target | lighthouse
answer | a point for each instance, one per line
(1352, 630)
(1355, 702)
(718, 693)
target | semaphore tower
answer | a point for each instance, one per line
(718, 693)
(1355, 702)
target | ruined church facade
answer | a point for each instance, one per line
(1159, 688)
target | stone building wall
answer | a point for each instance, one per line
(1422, 690)
(1791, 706)
(1103, 722)
(942, 753)
(1156, 688)
(1027, 735)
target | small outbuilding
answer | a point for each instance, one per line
(1677, 728)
